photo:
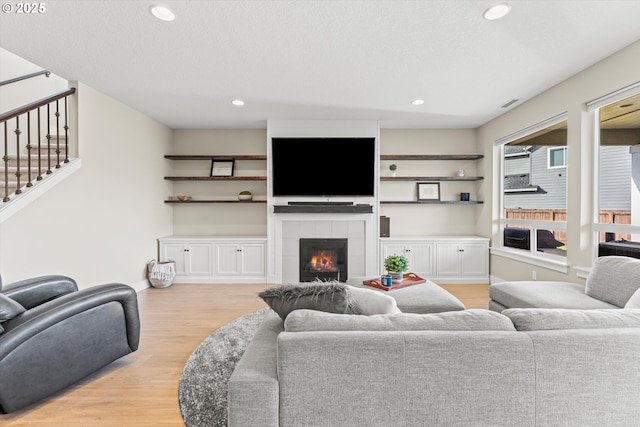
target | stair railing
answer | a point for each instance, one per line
(46, 73)
(14, 153)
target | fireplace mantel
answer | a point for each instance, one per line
(321, 208)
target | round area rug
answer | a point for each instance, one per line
(202, 391)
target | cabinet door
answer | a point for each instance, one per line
(228, 260)
(200, 259)
(252, 259)
(448, 259)
(473, 259)
(175, 252)
(420, 257)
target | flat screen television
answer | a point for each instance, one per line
(323, 167)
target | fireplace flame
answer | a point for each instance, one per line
(324, 261)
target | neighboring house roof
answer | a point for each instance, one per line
(520, 183)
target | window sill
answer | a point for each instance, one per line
(551, 262)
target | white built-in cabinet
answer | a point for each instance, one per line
(419, 254)
(240, 259)
(191, 258)
(442, 259)
(213, 259)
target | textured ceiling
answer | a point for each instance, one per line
(313, 59)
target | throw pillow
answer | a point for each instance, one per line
(536, 319)
(332, 297)
(634, 301)
(369, 301)
(466, 320)
(613, 279)
(9, 308)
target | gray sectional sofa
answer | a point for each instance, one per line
(522, 367)
(612, 282)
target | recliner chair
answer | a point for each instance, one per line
(56, 335)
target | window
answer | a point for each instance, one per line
(616, 223)
(557, 157)
(534, 193)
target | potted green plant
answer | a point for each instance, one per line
(395, 266)
(392, 168)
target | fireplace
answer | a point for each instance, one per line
(324, 259)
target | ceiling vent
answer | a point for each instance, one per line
(509, 103)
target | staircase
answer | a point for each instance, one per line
(42, 161)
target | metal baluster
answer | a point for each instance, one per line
(18, 173)
(5, 158)
(57, 134)
(29, 183)
(66, 131)
(39, 178)
(48, 138)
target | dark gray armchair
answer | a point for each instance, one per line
(56, 335)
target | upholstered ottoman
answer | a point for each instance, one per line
(422, 298)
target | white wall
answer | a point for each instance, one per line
(102, 223)
(611, 74)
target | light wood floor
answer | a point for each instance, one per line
(141, 389)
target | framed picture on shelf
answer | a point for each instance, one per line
(428, 191)
(222, 168)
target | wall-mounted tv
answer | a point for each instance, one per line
(317, 167)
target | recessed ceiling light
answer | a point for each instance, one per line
(162, 13)
(238, 102)
(496, 12)
(417, 102)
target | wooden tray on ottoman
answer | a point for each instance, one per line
(408, 279)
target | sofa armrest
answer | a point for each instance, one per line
(38, 290)
(40, 318)
(253, 391)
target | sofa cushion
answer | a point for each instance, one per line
(534, 319)
(634, 301)
(368, 301)
(9, 308)
(613, 279)
(324, 296)
(541, 294)
(466, 320)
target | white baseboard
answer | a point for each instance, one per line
(141, 286)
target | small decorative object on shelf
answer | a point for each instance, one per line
(428, 191)
(464, 197)
(395, 266)
(222, 168)
(184, 198)
(245, 195)
(393, 167)
(460, 172)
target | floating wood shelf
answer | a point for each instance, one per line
(431, 202)
(431, 178)
(215, 157)
(431, 156)
(216, 178)
(216, 201)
